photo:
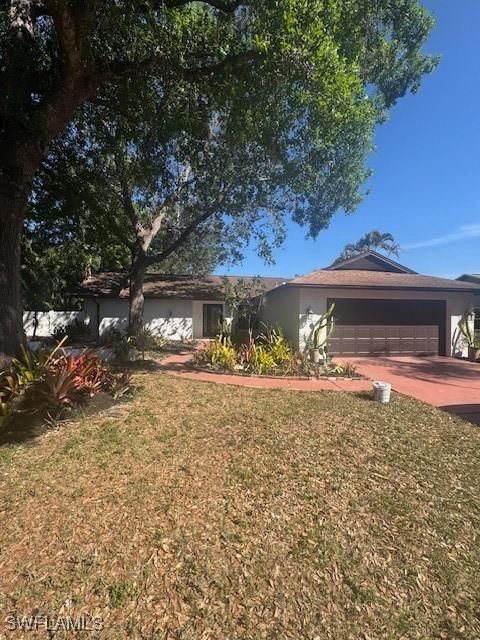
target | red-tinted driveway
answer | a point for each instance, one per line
(449, 383)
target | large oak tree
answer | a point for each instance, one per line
(319, 74)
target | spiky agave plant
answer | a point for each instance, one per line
(323, 330)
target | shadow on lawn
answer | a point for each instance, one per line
(470, 412)
(22, 428)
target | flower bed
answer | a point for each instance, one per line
(268, 355)
(46, 384)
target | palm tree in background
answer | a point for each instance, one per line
(372, 240)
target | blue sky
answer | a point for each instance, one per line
(426, 184)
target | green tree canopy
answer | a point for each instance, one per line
(311, 79)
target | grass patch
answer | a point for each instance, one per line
(225, 512)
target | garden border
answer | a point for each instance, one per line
(179, 365)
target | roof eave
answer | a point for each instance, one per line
(374, 254)
(383, 288)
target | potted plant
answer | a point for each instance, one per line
(466, 332)
(320, 337)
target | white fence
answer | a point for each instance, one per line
(48, 321)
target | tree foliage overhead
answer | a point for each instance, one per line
(299, 84)
(372, 240)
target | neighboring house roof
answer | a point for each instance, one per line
(158, 285)
(370, 261)
(470, 277)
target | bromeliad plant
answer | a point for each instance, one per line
(47, 383)
(219, 354)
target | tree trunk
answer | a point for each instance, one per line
(137, 277)
(12, 208)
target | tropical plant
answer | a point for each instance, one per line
(145, 340)
(118, 385)
(372, 240)
(261, 360)
(345, 369)
(276, 344)
(121, 345)
(220, 354)
(76, 330)
(465, 331)
(321, 333)
(56, 390)
(244, 298)
(51, 382)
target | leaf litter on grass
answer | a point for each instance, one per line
(207, 512)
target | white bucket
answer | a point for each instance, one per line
(381, 391)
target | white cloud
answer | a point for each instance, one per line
(464, 232)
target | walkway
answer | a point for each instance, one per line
(177, 365)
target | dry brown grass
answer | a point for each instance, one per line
(212, 512)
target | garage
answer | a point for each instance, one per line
(369, 327)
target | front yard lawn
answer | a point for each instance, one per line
(214, 512)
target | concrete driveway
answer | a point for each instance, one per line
(448, 383)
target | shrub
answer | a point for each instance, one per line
(122, 343)
(220, 354)
(277, 345)
(269, 353)
(74, 331)
(261, 360)
(346, 369)
(145, 340)
(41, 383)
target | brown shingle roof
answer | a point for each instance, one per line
(157, 285)
(354, 278)
(470, 277)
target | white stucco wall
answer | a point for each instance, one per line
(281, 307)
(172, 319)
(316, 300)
(48, 321)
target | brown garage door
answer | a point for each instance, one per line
(379, 327)
(362, 340)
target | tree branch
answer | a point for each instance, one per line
(155, 224)
(160, 63)
(126, 198)
(118, 231)
(189, 230)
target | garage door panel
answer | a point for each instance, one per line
(394, 347)
(392, 332)
(423, 332)
(422, 346)
(378, 340)
(363, 332)
(386, 326)
(378, 348)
